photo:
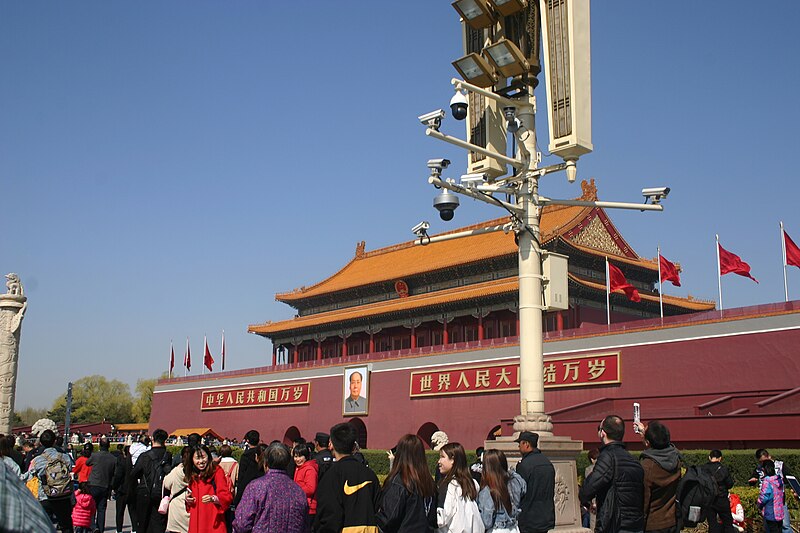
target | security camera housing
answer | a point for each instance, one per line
(438, 164)
(421, 228)
(433, 119)
(459, 106)
(446, 203)
(655, 194)
(471, 180)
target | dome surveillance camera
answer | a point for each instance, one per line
(446, 203)
(458, 105)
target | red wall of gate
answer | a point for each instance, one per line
(736, 391)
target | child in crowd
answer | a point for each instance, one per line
(83, 512)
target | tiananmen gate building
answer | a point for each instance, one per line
(431, 334)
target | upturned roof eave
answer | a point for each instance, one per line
(297, 295)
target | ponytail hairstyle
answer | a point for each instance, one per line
(495, 476)
(460, 471)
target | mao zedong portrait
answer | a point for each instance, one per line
(355, 403)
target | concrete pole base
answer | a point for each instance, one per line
(562, 452)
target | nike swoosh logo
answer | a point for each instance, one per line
(350, 490)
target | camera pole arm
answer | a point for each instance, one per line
(483, 197)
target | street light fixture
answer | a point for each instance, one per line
(476, 13)
(509, 7)
(474, 69)
(507, 58)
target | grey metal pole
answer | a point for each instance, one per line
(67, 416)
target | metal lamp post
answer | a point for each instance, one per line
(569, 108)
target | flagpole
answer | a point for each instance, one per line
(205, 346)
(719, 275)
(608, 295)
(171, 357)
(223, 349)
(184, 356)
(783, 254)
(660, 287)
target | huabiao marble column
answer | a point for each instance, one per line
(12, 310)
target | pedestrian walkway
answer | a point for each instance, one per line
(111, 516)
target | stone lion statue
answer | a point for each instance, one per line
(42, 425)
(14, 285)
(439, 439)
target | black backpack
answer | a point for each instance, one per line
(697, 488)
(156, 472)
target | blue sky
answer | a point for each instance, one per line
(167, 167)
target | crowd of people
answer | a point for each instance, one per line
(653, 494)
(326, 485)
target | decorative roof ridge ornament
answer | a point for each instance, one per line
(678, 266)
(589, 191)
(360, 246)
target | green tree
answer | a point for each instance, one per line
(29, 415)
(143, 401)
(94, 399)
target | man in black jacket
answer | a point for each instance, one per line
(248, 464)
(718, 513)
(347, 497)
(155, 459)
(537, 506)
(323, 457)
(617, 481)
(100, 480)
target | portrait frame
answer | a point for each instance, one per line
(347, 408)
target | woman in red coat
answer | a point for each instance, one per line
(207, 497)
(81, 469)
(306, 475)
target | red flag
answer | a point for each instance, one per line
(223, 350)
(730, 263)
(207, 359)
(171, 358)
(617, 282)
(187, 357)
(669, 272)
(792, 251)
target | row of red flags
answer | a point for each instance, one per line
(729, 263)
(208, 359)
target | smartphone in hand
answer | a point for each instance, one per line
(637, 416)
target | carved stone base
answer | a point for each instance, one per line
(540, 424)
(562, 452)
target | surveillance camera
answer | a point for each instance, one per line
(446, 203)
(458, 106)
(433, 119)
(513, 123)
(655, 194)
(471, 180)
(421, 229)
(437, 165)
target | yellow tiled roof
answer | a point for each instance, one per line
(677, 301)
(487, 288)
(643, 263)
(455, 294)
(408, 259)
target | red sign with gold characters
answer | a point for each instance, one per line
(595, 369)
(263, 396)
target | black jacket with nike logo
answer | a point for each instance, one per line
(347, 498)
